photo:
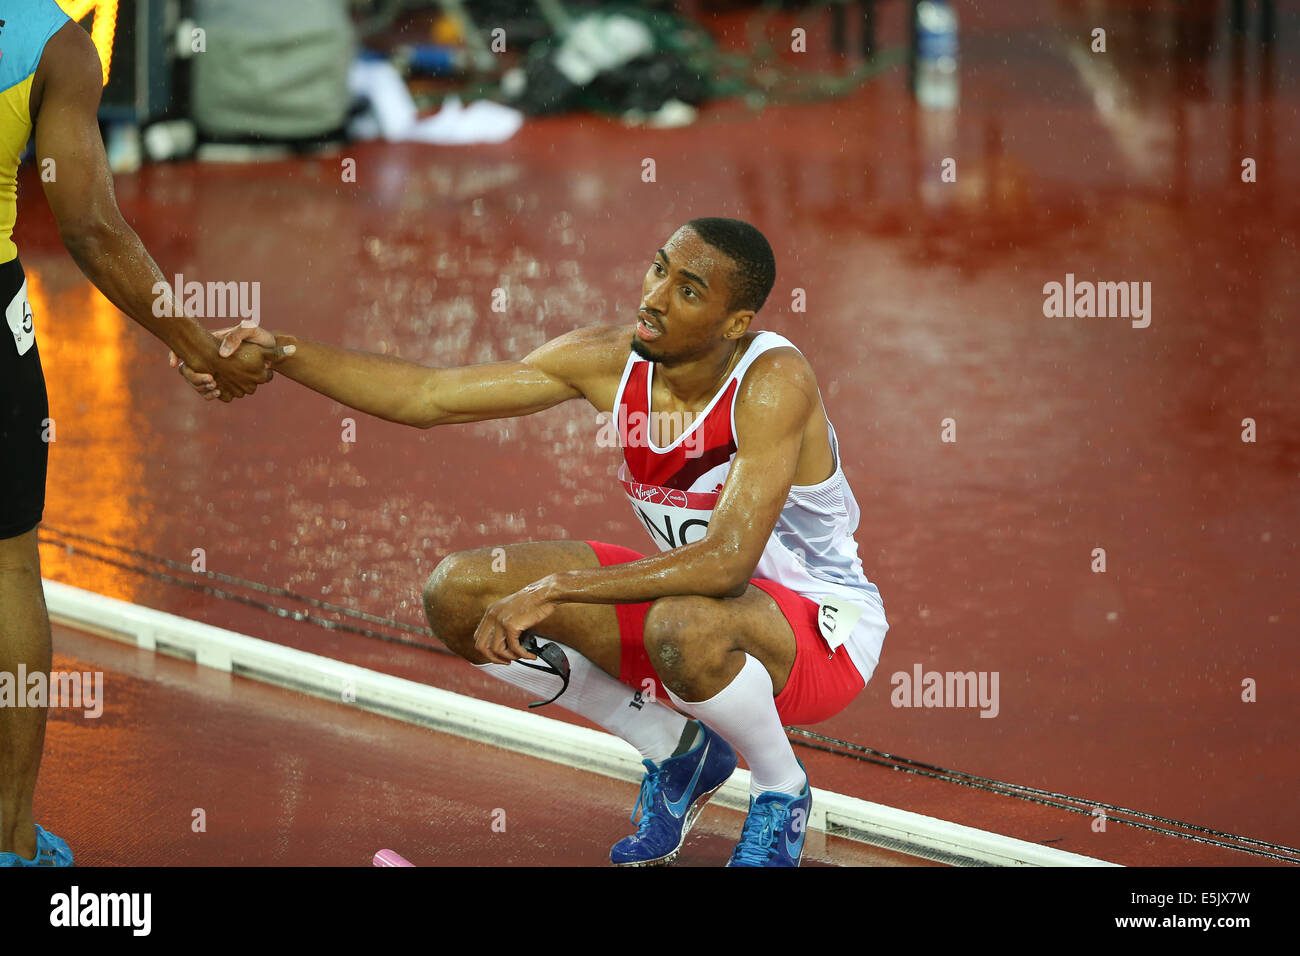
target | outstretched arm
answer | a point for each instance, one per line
(64, 106)
(396, 390)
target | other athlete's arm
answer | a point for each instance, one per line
(772, 407)
(79, 188)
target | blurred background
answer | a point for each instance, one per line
(326, 71)
(382, 168)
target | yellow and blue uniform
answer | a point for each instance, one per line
(25, 27)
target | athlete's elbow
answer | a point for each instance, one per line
(736, 589)
(423, 408)
(425, 419)
(417, 414)
(414, 418)
(87, 238)
(732, 577)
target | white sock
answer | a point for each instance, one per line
(652, 728)
(744, 714)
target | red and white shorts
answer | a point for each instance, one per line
(819, 685)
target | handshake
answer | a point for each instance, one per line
(244, 360)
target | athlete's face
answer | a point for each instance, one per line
(684, 297)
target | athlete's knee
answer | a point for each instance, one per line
(20, 572)
(453, 591)
(678, 635)
(18, 556)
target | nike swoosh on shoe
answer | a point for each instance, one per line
(797, 848)
(678, 807)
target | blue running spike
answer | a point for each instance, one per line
(672, 796)
(774, 830)
(50, 851)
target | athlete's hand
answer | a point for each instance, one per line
(226, 379)
(253, 352)
(233, 337)
(497, 637)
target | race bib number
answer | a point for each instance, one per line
(18, 313)
(836, 619)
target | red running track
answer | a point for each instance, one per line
(284, 779)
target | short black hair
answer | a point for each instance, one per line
(755, 272)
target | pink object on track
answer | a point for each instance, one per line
(389, 858)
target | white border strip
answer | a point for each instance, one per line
(506, 727)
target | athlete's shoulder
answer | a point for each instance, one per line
(775, 370)
(24, 33)
(69, 63)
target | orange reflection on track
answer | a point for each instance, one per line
(98, 452)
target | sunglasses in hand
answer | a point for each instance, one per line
(555, 662)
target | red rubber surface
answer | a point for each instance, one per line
(285, 779)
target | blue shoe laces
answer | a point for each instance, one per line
(763, 826)
(650, 785)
